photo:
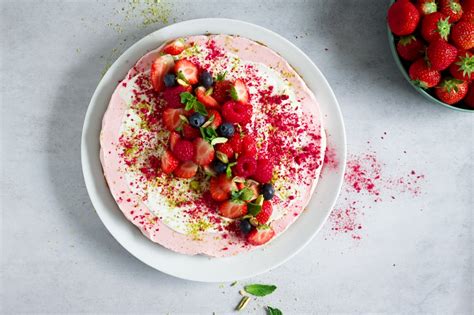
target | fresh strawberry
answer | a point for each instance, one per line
(410, 48)
(264, 171)
(175, 47)
(266, 212)
(171, 118)
(435, 26)
(463, 35)
(426, 7)
(233, 209)
(186, 170)
(204, 152)
(206, 100)
(451, 91)
(237, 113)
(261, 235)
(190, 133)
(221, 187)
(402, 18)
(422, 75)
(468, 8)
(159, 68)
(187, 70)
(221, 91)
(441, 54)
(469, 99)
(225, 148)
(184, 150)
(217, 118)
(174, 137)
(246, 166)
(452, 9)
(168, 162)
(172, 95)
(239, 91)
(463, 67)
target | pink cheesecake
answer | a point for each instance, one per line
(212, 145)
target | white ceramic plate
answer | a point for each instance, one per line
(202, 268)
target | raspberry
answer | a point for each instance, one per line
(236, 143)
(172, 96)
(221, 91)
(264, 214)
(249, 146)
(264, 172)
(184, 150)
(190, 132)
(225, 148)
(217, 118)
(237, 113)
(246, 166)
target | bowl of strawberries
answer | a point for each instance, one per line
(432, 42)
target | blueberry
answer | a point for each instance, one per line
(170, 80)
(245, 226)
(226, 130)
(267, 191)
(206, 79)
(219, 167)
(196, 120)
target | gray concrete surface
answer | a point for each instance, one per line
(415, 255)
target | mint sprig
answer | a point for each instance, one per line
(260, 289)
(190, 102)
(208, 133)
(245, 194)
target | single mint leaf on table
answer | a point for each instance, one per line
(259, 289)
(273, 311)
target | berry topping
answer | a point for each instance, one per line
(402, 18)
(249, 146)
(170, 80)
(233, 209)
(237, 113)
(184, 150)
(219, 167)
(239, 91)
(190, 132)
(265, 213)
(226, 149)
(221, 187)
(236, 143)
(264, 171)
(168, 162)
(175, 47)
(159, 68)
(267, 191)
(196, 120)
(171, 118)
(187, 71)
(206, 79)
(204, 152)
(186, 170)
(246, 166)
(172, 96)
(221, 91)
(245, 226)
(441, 54)
(217, 120)
(174, 137)
(260, 235)
(226, 130)
(422, 75)
(205, 98)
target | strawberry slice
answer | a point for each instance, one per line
(188, 70)
(168, 162)
(190, 132)
(174, 137)
(233, 209)
(260, 236)
(221, 187)
(265, 213)
(204, 152)
(159, 68)
(175, 47)
(217, 118)
(206, 100)
(186, 170)
(239, 91)
(171, 118)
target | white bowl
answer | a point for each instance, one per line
(202, 268)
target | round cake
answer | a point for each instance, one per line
(212, 144)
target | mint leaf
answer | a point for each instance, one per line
(259, 289)
(253, 208)
(185, 97)
(191, 102)
(201, 109)
(273, 311)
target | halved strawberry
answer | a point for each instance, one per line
(204, 152)
(233, 209)
(217, 118)
(239, 91)
(174, 137)
(171, 118)
(265, 213)
(186, 170)
(175, 47)
(206, 100)
(168, 162)
(159, 68)
(260, 236)
(190, 132)
(221, 91)
(225, 148)
(188, 70)
(221, 187)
